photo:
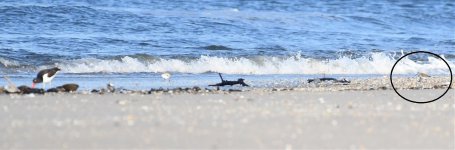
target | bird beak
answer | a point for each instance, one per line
(33, 85)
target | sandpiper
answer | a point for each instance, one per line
(422, 76)
(166, 76)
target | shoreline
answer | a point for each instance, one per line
(146, 82)
(368, 84)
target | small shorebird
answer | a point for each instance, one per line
(422, 75)
(166, 76)
(110, 87)
(45, 76)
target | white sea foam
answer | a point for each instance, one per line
(376, 63)
(8, 63)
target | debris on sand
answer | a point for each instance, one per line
(240, 81)
(333, 80)
(70, 87)
(320, 84)
(56, 90)
(28, 90)
(95, 91)
(194, 89)
(11, 87)
(64, 88)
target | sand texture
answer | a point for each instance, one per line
(255, 119)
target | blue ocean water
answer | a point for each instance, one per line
(199, 37)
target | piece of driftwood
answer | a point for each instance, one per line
(344, 81)
(231, 83)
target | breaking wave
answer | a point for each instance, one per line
(8, 63)
(376, 63)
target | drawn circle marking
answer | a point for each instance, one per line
(423, 102)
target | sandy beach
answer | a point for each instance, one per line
(230, 74)
(256, 119)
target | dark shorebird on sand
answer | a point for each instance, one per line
(45, 76)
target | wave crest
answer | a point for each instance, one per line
(376, 63)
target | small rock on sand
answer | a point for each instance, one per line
(64, 88)
(70, 87)
(11, 89)
(56, 90)
(196, 88)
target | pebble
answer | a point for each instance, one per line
(130, 120)
(11, 89)
(145, 108)
(329, 110)
(321, 100)
(197, 89)
(5, 108)
(125, 91)
(71, 87)
(288, 147)
(234, 90)
(85, 92)
(382, 88)
(56, 90)
(122, 102)
(389, 103)
(30, 95)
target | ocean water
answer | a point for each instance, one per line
(130, 43)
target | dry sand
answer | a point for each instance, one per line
(255, 119)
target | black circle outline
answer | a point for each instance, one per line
(436, 55)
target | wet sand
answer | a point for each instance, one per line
(257, 119)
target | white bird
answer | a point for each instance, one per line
(110, 87)
(166, 76)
